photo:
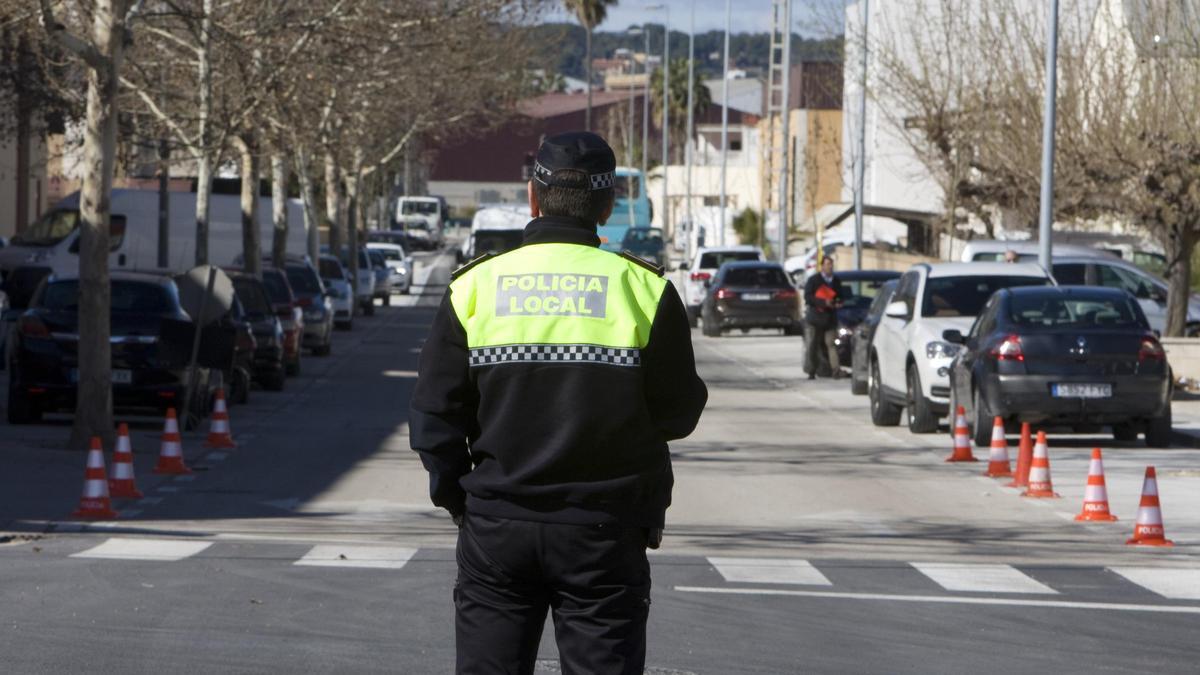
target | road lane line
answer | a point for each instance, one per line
(216, 456)
(1176, 584)
(376, 557)
(981, 578)
(946, 599)
(769, 571)
(163, 550)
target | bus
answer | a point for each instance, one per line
(631, 209)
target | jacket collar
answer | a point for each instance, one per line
(560, 230)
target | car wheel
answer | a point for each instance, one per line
(794, 329)
(369, 308)
(387, 300)
(883, 412)
(1158, 431)
(694, 316)
(709, 327)
(293, 367)
(921, 418)
(324, 349)
(21, 409)
(981, 430)
(241, 386)
(858, 386)
(1126, 431)
(274, 381)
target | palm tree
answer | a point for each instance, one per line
(702, 99)
(590, 13)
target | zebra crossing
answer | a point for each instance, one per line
(824, 576)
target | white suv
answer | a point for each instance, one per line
(704, 266)
(909, 361)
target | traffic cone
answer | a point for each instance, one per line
(122, 483)
(1039, 472)
(95, 503)
(170, 457)
(1095, 495)
(1024, 457)
(962, 439)
(218, 430)
(1149, 528)
(998, 464)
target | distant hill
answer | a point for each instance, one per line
(563, 46)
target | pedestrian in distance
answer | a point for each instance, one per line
(823, 295)
(1010, 256)
(553, 377)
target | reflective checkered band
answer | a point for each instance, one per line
(612, 356)
(599, 181)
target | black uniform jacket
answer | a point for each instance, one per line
(556, 442)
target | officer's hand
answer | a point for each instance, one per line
(654, 537)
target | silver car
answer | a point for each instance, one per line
(341, 291)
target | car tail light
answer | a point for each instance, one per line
(700, 276)
(786, 294)
(725, 294)
(304, 302)
(1008, 349)
(1150, 350)
(31, 326)
(166, 394)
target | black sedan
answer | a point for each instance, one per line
(861, 288)
(862, 334)
(1069, 356)
(749, 295)
(269, 369)
(151, 345)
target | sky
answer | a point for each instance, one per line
(749, 16)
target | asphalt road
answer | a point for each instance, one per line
(801, 540)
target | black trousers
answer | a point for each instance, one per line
(595, 580)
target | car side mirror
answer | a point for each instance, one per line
(953, 336)
(1157, 295)
(896, 310)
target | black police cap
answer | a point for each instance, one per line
(575, 152)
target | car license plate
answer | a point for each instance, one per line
(118, 376)
(1081, 390)
(756, 297)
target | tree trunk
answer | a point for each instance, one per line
(204, 158)
(251, 232)
(353, 193)
(310, 206)
(333, 203)
(93, 407)
(1179, 245)
(587, 118)
(279, 177)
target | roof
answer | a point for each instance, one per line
(156, 277)
(555, 104)
(1068, 290)
(976, 246)
(983, 269)
(738, 264)
(865, 275)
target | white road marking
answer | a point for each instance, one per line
(946, 599)
(118, 548)
(149, 501)
(377, 557)
(1177, 584)
(769, 571)
(981, 578)
(216, 456)
(187, 478)
(129, 513)
(168, 488)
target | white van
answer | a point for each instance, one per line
(53, 241)
(993, 250)
(431, 210)
(495, 229)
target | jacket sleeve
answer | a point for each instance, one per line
(442, 417)
(810, 290)
(675, 393)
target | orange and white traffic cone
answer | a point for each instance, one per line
(998, 464)
(170, 457)
(1024, 457)
(218, 431)
(122, 483)
(1149, 528)
(95, 503)
(1039, 472)
(962, 439)
(1095, 495)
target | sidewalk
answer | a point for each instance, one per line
(1185, 413)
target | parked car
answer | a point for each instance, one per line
(341, 291)
(383, 277)
(1066, 356)
(399, 262)
(994, 250)
(364, 285)
(749, 295)
(291, 317)
(240, 372)
(909, 365)
(315, 304)
(151, 350)
(860, 288)
(269, 369)
(863, 333)
(704, 265)
(646, 243)
(1150, 291)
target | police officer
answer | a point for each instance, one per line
(551, 381)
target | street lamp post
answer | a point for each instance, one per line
(861, 167)
(1046, 219)
(666, 117)
(634, 31)
(688, 147)
(724, 122)
(645, 104)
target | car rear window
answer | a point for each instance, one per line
(331, 269)
(388, 253)
(715, 259)
(302, 279)
(252, 296)
(860, 293)
(127, 296)
(277, 287)
(768, 277)
(1072, 311)
(965, 296)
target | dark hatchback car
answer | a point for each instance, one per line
(645, 243)
(291, 316)
(863, 333)
(268, 330)
(861, 288)
(1069, 356)
(749, 295)
(151, 345)
(314, 303)
(240, 371)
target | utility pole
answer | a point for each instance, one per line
(645, 106)
(1046, 221)
(778, 114)
(724, 122)
(860, 168)
(666, 118)
(634, 31)
(691, 123)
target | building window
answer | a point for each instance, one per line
(712, 201)
(735, 145)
